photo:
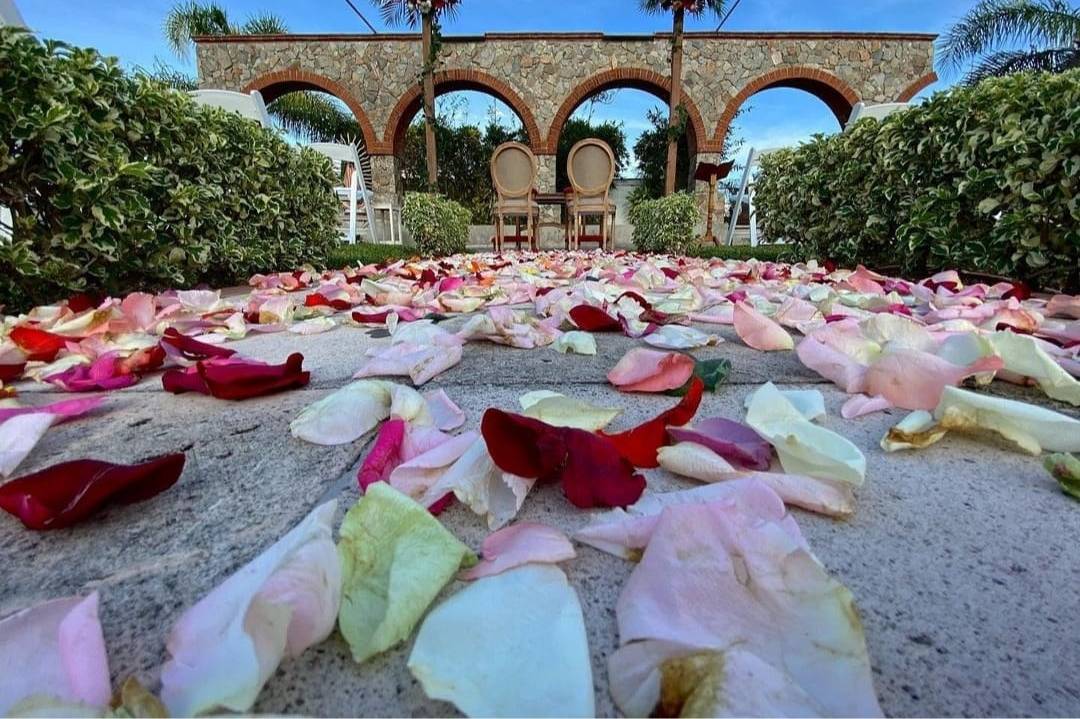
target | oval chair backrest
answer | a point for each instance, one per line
(249, 105)
(513, 169)
(591, 167)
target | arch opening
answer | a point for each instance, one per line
(838, 96)
(315, 108)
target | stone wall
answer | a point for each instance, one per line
(544, 77)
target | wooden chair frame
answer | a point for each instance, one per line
(578, 214)
(502, 210)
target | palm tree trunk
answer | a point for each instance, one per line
(676, 99)
(429, 106)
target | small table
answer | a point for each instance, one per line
(553, 199)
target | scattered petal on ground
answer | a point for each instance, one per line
(54, 654)
(640, 444)
(759, 331)
(521, 543)
(642, 370)
(509, 645)
(803, 447)
(577, 342)
(68, 493)
(395, 559)
(731, 440)
(562, 411)
(225, 648)
(356, 409)
(1065, 468)
(677, 337)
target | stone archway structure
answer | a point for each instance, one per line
(543, 77)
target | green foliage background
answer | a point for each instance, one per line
(666, 224)
(983, 179)
(439, 226)
(119, 183)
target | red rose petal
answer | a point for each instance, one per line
(594, 319)
(68, 493)
(191, 349)
(241, 380)
(39, 345)
(591, 471)
(317, 300)
(640, 444)
(11, 372)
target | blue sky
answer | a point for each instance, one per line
(131, 30)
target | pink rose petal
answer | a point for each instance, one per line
(519, 544)
(646, 370)
(759, 331)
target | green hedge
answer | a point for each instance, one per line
(666, 224)
(438, 226)
(119, 183)
(984, 179)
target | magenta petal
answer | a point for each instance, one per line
(732, 440)
(68, 409)
(385, 454)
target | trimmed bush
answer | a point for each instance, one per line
(666, 225)
(438, 226)
(984, 179)
(120, 183)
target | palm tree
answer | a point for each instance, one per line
(426, 13)
(311, 116)
(992, 31)
(676, 112)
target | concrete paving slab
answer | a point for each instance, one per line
(961, 557)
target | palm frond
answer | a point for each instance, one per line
(407, 12)
(1042, 24)
(186, 20)
(1012, 61)
(167, 75)
(702, 7)
(264, 23)
(315, 117)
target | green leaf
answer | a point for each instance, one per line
(712, 372)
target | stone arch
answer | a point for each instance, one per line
(451, 81)
(626, 77)
(828, 88)
(918, 86)
(273, 85)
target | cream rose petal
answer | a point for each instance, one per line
(513, 644)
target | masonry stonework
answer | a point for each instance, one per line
(545, 77)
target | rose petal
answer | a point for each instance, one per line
(642, 370)
(18, 437)
(59, 652)
(731, 440)
(531, 657)
(420, 363)
(639, 445)
(224, 648)
(522, 543)
(178, 345)
(581, 343)
(395, 559)
(444, 413)
(68, 493)
(38, 345)
(233, 379)
(913, 379)
(594, 319)
(356, 409)
(561, 411)
(759, 331)
(861, 405)
(803, 447)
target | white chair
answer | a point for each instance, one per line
(250, 105)
(746, 189)
(346, 162)
(7, 223)
(861, 111)
(9, 14)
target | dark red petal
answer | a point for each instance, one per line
(83, 302)
(39, 345)
(68, 493)
(240, 380)
(1020, 290)
(594, 319)
(10, 372)
(317, 300)
(671, 272)
(142, 361)
(188, 379)
(373, 318)
(521, 445)
(640, 444)
(192, 349)
(595, 474)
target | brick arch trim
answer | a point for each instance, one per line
(451, 81)
(626, 77)
(918, 86)
(273, 85)
(834, 92)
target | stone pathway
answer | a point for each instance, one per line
(962, 558)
